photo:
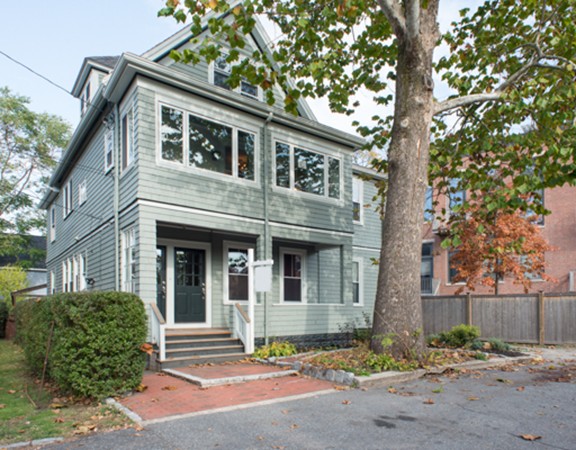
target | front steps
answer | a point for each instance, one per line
(190, 346)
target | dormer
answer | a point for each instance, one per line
(92, 74)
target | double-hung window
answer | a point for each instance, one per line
(68, 197)
(52, 223)
(204, 144)
(129, 260)
(357, 297)
(82, 193)
(236, 282)
(109, 148)
(357, 194)
(292, 276)
(128, 148)
(221, 74)
(307, 171)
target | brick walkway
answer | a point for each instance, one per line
(168, 396)
(229, 370)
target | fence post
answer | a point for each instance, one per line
(469, 308)
(541, 317)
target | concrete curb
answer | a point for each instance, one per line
(207, 382)
(128, 412)
(35, 442)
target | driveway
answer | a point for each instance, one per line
(489, 409)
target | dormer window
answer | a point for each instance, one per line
(85, 99)
(221, 73)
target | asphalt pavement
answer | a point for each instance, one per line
(488, 409)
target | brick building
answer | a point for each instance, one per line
(558, 228)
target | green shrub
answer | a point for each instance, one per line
(458, 336)
(275, 349)
(95, 344)
(491, 344)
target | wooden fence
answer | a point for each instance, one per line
(530, 318)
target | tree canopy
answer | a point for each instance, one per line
(511, 64)
(29, 145)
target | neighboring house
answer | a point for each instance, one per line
(171, 177)
(36, 269)
(558, 228)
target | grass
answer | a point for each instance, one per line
(28, 412)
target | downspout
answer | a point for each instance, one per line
(117, 138)
(267, 250)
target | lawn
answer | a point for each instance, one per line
(27, 412)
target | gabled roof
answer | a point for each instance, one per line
(259, 35)
(102, 63)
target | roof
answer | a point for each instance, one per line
(102, 63)
(37, 244)
(107, 61)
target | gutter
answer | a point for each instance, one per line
(267, 249)
(117, 162)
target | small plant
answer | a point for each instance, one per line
(493, 344)
(481, 356)
(275, 349)
(438, 390)
(458, 336)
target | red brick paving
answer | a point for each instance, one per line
(227, 371)
(168, 396)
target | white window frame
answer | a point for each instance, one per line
(129, 260)
(52, 223)
(52, 283)
(80, 272)
(360, 282)
(291, 188)
(109, 148)
(67, 199)
(212, 69)
(227, 246)
(82, 193)
(67, 275)
(85, 99)
(303, 275)
(358, 189)
(184, 165)
(64, 277)
(128, 143)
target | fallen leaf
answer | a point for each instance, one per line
(260, 438)
(141, 388)
(81, 430)
(11, 391)
(147, 348)
(56, 411)
(2, 406)
(346, 402)
(161, 374)
(503, 380)
(138, 427)
(59, 420)
(472, 399)
(428, 401)
(392, 390)
(530, 437)
(285, 411)
(520, 389)
(339, 387)
(57, 405)
(294, 426)
(169, 388)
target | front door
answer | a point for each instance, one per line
(190, 285)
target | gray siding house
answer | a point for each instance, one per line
(171, 177)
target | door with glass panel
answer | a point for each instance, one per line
(190, 285)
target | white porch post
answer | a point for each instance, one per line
(251, 299)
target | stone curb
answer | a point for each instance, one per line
(128, 412)
(35, 442)
(387, 378)
(207, 382)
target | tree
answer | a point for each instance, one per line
(12, 278)
(510, 63)
(29, 144)
(506, 245)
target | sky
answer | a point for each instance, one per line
(53, 37)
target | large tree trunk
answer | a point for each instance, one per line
(398, 308)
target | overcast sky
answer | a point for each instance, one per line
(53, 37)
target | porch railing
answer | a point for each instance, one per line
(157, 330)
(243, 328)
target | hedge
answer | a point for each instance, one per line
(95, 340)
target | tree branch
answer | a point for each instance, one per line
(393, 13)
(466, 100)
(412, 18)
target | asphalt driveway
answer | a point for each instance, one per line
(489, 409)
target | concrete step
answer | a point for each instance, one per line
(187, 334)
(200, 351)
(197, 343)
(200, 359)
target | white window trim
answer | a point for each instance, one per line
(128, 237)
(109, 148)
(184, 165)
(303, 274)
(227, 245)
(52, 289)
(67, 199)
(360, 186)
(237, 90)
(360, 263)
(80, 272)
(130, 140)
(82, 193)
(313, 149)
(52, 223)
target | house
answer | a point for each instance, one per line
(34, 259)
(558, 228)
(171, 177)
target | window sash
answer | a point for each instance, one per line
(109, 149)
(292, 277)
(129, 261)
(128, 150)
